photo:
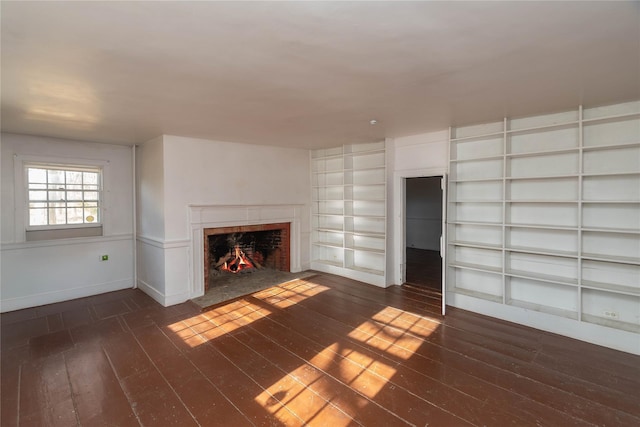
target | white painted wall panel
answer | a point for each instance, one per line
(36, 273)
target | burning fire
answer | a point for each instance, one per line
(238, 263)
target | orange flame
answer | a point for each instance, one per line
(239, 263)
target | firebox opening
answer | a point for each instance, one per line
(245, 249)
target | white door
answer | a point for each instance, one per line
(443, 243)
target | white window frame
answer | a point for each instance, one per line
(22, 162)
(64, 168)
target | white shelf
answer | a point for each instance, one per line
(537, 251)
(611, 323)
(530, 224)
(492, 224)
(475, 267)
(330, 263)
(542, 226)
(541, 153)
(367, 270)
(475, 245)
(610, 287)
(330, 230)
(571, 314)
(620, 173)
(327, 244)
(478, 137)
(611, 258)
(612, 230)
(476, 294)
(542, 201)
(348, 196)
(611, 118)
(364, 249)
(476, 180)
(475, 201)
(612, 202)
(610, 147)
(474, 159)
(367, 233)
(542, 128)
(542, 277)
(561, 176)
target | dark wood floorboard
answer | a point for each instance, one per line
(323, 350)
(424, 268)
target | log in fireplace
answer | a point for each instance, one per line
(245, 249)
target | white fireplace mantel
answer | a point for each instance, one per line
(211, 216)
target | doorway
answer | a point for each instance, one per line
(423, 232)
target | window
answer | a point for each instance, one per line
(63, 196)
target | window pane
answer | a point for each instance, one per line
(37, 175)
(91, 195)
(37, 195)
(91, 215)
(74, 195)
(56, 176)
(74, 216)
(37, 217)
(74, 177)
(56, 196)
(57, 216)
(90, 178)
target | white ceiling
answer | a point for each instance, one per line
(306, 74)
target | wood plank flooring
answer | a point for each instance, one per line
(323, 350)
(424, 268)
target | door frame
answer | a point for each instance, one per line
(400, 226)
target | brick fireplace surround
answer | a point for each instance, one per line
(203, 217)
(282, 262)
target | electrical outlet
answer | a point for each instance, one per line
(104, 258)
(610, 314)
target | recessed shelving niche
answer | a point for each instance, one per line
(544, 214)
(349, 211)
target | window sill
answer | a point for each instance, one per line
(62, 233)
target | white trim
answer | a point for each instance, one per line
(398, 221)
(84, 291)
(164, 244)
(595, 334)
(20, 188)
(64, 242)
(134, 215)
(151, 291)
(211, 216)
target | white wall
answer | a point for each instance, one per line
(423, 213)
(413, 156)
(43, 272)
(203, 172)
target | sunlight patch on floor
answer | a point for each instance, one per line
(217, 322)
(289, 294)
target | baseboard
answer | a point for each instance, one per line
(164, 300)
(608, 337)
(35, 300)
(151, 291)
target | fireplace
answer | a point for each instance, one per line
(240, 250)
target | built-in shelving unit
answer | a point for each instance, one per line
(544, 214)
(349, 211)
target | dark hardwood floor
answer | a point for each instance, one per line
(424, 268)
(323, 351)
